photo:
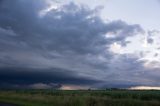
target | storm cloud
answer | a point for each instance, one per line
(68, 44)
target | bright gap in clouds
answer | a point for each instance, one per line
(144, 88)
(52, 5)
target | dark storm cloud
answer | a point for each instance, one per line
(27, 76)
(72, 28)
(67, 45)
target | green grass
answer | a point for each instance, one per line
(80, 98)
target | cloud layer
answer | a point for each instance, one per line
(68, 44)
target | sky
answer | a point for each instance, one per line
(79, 44)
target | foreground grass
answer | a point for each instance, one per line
(80, 98)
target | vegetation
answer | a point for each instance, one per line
(81, 98)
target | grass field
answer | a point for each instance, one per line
(80, 98)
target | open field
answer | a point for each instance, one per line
(80, 98)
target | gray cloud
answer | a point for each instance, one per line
(67, 45)
(151, 36)
(126, 71)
